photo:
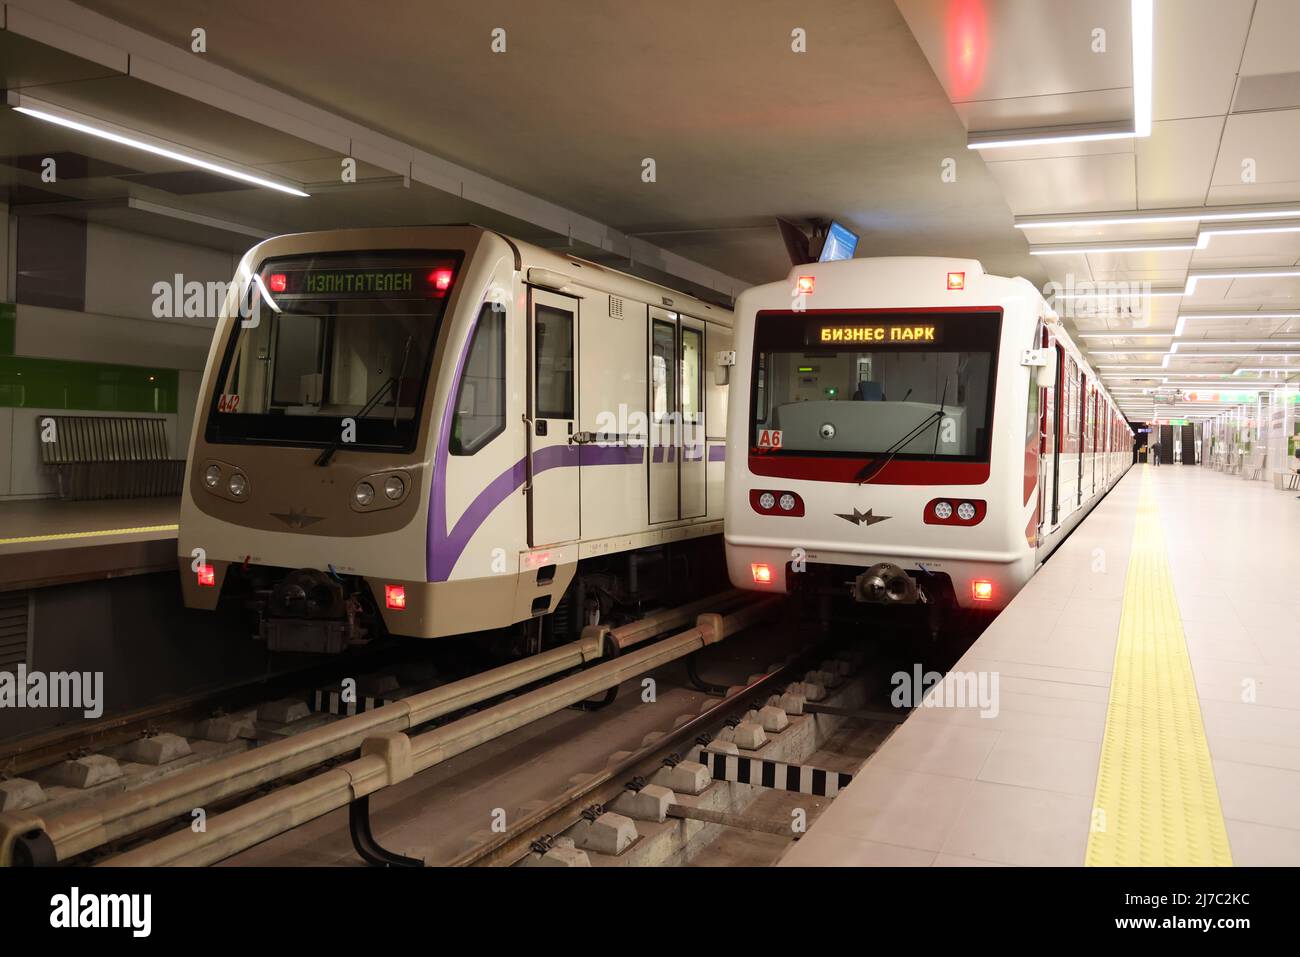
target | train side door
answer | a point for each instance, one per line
(664, 382)
(1083, 431)
(693, 465)
(552, 462)
(1046, 448)
(1058, 402)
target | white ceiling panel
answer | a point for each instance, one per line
(1003, 49)
(1061, 109)
(1271, 139)
(1271, 46)
(1175, 163)
(1273, 289)
(1069, 184)
(1285, 192)
(1163, 267)
(1248, 249)
(1197, 48)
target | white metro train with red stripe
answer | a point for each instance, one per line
(909, 431)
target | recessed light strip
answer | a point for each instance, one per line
(69, 120)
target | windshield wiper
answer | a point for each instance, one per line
(395, 383)
(872, 468)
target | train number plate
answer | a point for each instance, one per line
(769, 438)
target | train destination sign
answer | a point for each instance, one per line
(379, 282)
(890, 333)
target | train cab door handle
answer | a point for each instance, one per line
(582, 438)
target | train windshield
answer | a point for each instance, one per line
(332, 337)
(911, 385)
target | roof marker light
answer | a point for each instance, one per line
(277, 282)
(440, 279)
(956, 280)
(804, 284)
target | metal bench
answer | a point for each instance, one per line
(95, 457)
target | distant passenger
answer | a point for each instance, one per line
(1155, 453)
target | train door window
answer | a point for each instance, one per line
(692, 346)
(554, 350)
(481, 397)
(663, 362)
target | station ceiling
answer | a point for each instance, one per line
(547, 140)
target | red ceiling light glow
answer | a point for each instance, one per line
(956, 280)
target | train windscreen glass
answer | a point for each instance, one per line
(912, 385)
(333, 336)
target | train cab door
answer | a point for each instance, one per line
(552, 462)
(693, 465)
(665, 420)
(1058, 397)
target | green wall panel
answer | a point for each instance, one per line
(63, 384)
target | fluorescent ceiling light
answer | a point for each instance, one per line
(1124, 335)
(1155, 246)
(1107, 294)
(1186, 214)
(72, 121)
(1183, 318)
(1253, 272)
(1143, 37)
(1205, 235)
(1127, 352)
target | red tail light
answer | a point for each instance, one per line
(395, 597)
(956, 280)
(981, 590)
(207, 576)
(805, 284)
(440, 279)
(762, 573)
(277, 282)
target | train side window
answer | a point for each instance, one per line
(692, 379)
(481, 396)
(663, 360)
(554, 349)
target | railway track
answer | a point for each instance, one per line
(120, 821)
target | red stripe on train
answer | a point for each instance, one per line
(816, 468)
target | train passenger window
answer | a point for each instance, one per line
(481, 396)
(691, 379)
(864, 385)
(663, 359)
(553, 331)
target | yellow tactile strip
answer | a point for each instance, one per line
(99, 533)
(1157, 803)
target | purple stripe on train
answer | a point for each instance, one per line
(444, 547)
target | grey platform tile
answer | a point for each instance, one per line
(1258, 845)
(948, 860)
(1036, 761)
(841, 851)
(891, 806)
(1259, 794)
(1023, 826)
(1029, 722)
(1269, 685)
(947, 749)
(1254, 752)
(975, 660)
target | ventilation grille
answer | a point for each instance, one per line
(13, 629)
(615, 307)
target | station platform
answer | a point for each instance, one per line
(1146, 707)
(50, 542)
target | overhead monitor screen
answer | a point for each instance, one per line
(840, 244)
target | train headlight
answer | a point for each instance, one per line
(364, 493)
(943, 510)
(394, 487)
(787, 502)
(965, 511)
(237, 486)
(767, 500)
(212, 476)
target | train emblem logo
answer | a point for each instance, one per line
(296, 519)
(862, 518)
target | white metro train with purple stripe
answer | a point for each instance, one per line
(431, 431)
